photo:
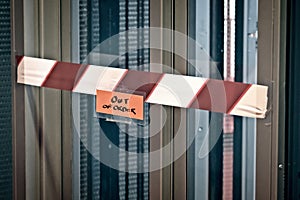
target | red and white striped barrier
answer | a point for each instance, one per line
(167, 89)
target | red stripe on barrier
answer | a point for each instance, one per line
(19, 59)
(138, 82)
(219, 96)
(64, 75)
(240, 97)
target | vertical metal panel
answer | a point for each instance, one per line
(31, 47)
(265, 46)
(51, 153)
(168, 129)
(18, 102)
(32, 142)
(75, 57)
(179, 116)
(67, 130)
(43, 109)
(170, 182)
(155, 179)
(276, 94)
(268, 74)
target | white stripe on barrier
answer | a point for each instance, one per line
(36, 70)
(176, 90)
(97, 77)
(252, 103)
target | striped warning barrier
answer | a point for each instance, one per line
(167, 89)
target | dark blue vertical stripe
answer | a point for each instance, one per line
(5, 103)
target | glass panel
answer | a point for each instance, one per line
(95, 27)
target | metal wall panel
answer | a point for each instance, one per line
(269, 27)
(18, 124)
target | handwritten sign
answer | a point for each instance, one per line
(121, 104)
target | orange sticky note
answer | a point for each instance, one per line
(120, 104)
